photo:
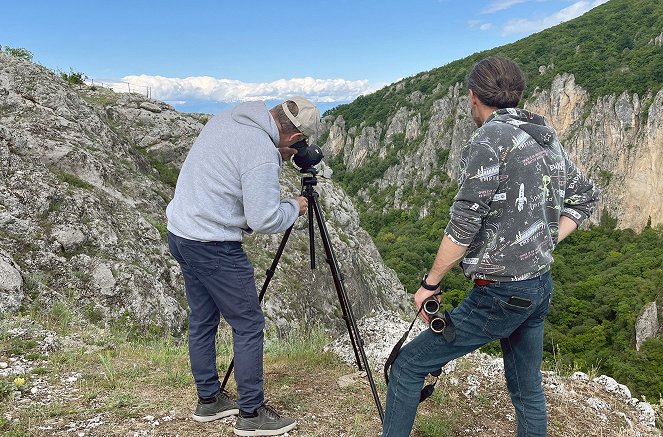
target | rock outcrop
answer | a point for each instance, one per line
(646, 326)
(86, 175)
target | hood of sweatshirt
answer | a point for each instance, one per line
(534, 125)
(255, 114)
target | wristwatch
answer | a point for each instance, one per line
(428, 286)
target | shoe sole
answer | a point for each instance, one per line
(219, 415)
(261, 432)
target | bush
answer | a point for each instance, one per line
(17, 52)
(73, 77)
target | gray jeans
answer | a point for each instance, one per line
(219, 281)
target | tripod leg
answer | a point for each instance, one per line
(350, 321)
(270, 272)
(311, 240)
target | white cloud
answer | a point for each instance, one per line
(529, 26)
(205, 88)
(477, 24)
(500, 5)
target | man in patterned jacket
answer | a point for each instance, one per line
(519, 195)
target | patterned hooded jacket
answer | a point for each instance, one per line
(515, 181)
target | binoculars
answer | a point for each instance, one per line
(437, 321)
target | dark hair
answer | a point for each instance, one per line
(497, 82)
(279, 114)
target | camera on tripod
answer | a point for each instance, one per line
(308, 156)
(436, 318)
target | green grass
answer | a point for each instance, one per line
(72, 180)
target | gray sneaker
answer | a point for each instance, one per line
(266, 422)
(223, 406)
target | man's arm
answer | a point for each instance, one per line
(581, 196)
(265, 211)
(478, 182)
(448, 256)
(566, 226)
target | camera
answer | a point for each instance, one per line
(437, 321)
(308, 156)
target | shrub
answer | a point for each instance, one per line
(17, 52)
(73, 77)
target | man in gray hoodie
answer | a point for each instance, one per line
(229, 185)
(519, 195)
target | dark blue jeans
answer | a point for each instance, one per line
(219, 280)
(483, 316)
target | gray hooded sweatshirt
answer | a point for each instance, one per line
(229, 182)
(515, 181)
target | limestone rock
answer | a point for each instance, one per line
(615, 140)
(646, 326)
(82, 211)
(11, 285)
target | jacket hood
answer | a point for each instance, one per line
(534, 125)
(255, 114)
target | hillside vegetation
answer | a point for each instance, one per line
(607, 49)
(603, 276)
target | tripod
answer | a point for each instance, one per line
(308, 182)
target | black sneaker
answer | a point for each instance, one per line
(223, 406)
(265, 421)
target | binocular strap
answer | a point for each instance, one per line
(449, 334)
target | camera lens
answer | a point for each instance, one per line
(437, 325)
(308, 156)
(431, 306)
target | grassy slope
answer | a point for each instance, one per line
(102, 382)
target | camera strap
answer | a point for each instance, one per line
(449, 334)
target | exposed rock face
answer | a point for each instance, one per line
(11, 284)
(616, 140)
(647, 324)
(82, 212)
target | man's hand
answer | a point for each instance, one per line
(419, 297)
(287, 152)
(303, 204)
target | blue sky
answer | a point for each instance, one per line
(202, 55)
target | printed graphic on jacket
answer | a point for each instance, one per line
(515, 181)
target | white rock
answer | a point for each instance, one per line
(613, 386)
(580, 376)
(646, 414)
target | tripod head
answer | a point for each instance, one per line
(314, 171)
(309, 181)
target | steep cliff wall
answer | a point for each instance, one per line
(616, 140)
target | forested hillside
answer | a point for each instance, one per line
(608, 49)
(604, 276)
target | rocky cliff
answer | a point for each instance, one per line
(85, 176)
(616, 140)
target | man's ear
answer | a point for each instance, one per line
(473, 98)
(295, 137)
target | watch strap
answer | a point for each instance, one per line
(427, 286)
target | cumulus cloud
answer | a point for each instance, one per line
(205, 88)
(529, 26)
